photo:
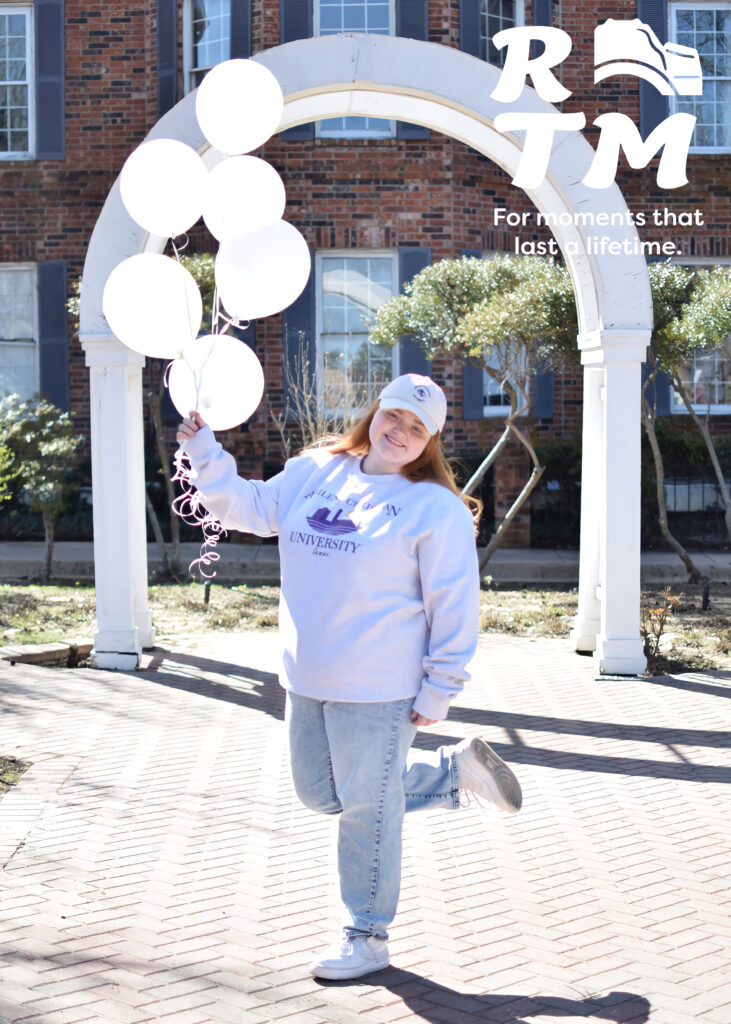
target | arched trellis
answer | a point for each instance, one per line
(449, 92)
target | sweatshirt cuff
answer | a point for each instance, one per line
(200, 443)
(431, 702)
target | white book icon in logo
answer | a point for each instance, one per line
(632, 48)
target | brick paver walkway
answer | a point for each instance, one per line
(157, 866)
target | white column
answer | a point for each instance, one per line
(588, 614)
(619, 354)
(124, 624)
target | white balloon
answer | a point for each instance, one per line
(153, 305)
(238, 105)
(263, 272)
(162, 185)
(220, 377)
(242, 194)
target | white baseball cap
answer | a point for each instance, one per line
(419, 395)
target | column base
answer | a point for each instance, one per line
(625, 657)
(114, 660)
(584, 633)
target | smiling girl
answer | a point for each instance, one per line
(378, 619)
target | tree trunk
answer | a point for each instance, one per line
(477, 476)
(648, 419)
(703, 427)
(155, 399)
(48, 524)
(497, 536)
(157, 530)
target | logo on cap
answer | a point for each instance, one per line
(421, 393)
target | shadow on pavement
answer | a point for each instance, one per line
(417, 992)
(260, 691)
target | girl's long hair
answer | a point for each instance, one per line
(432, 465)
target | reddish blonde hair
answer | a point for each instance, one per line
(432, 465)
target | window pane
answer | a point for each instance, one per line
(16, 304)
(495, 15)
(17, 370)
(14, 69)
(211, 32)
(353, 370)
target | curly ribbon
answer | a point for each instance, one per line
(189, 507)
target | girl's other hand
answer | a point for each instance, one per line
(418, 719)
(191, 424)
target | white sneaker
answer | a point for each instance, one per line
(482, 772)
(352, 957)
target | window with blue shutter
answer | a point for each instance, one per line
(479, 20)
(412, 22)
(167, 55)
(298, 339)
(53, 340)
(50, 112)
(653, 105)
(411, 356)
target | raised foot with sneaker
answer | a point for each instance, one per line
(352, 957)
(483, 773)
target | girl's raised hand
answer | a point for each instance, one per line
(191, 424)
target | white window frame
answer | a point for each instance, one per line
(32, 342)
(359, 133)
(519, 22)
(188, 70)
(704, 5)
(322, 255)
(28, 10)
(677, 407)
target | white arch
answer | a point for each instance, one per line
(449, 92)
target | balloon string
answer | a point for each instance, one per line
(189, 507)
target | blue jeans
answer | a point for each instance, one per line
(350, 758)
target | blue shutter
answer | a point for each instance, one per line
(412, 22)
(298, 332)
(543, 393)
(411, 357)
(240, 29)
(469, 27)
(653, 105)
(295, 22)
(473, 377)
(49, 75)
(541, 16)
(167, 55)
(53, 343)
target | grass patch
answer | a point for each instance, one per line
(694, 640)
(10, 771)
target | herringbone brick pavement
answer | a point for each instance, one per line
(156, 865)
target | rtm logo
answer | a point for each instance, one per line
(620, 48)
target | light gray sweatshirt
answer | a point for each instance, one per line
(380, 585)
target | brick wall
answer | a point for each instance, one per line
(359, 194)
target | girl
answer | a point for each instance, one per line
(378, 619)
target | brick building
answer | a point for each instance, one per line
(376, 200)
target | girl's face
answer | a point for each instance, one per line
(397, 437)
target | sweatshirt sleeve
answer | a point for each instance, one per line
(451, 593)
(247, 505)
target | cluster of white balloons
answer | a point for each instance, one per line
(152, 302)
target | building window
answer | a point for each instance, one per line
(706, 378)
(334, 17)
(16, 81)
(206, 37)
(707, 28)
(350, 288)
(18, 332)
(495, 15)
